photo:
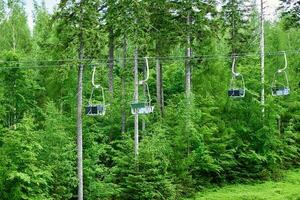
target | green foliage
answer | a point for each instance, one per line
(213, 140)
(239, 19)
(147, 178)
(58, 153)
(23, 175)
(290, 13)
(15, 34)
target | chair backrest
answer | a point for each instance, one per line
(281, 91)
(236, 93)
(95, 110)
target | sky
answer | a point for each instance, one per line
(271, 6)
(50, 4)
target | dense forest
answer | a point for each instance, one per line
(197, 136)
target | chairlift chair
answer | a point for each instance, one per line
(237, 88)
(280, 89)
(143, 107)
(96, 108)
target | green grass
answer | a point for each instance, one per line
(286, 189)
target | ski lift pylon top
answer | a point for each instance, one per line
(236, 90)
(143, 107)
(96, 108)
(281, 89)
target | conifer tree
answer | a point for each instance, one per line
(290, 13)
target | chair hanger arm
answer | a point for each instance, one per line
(93, 79)
(147, 72)
(233, 67)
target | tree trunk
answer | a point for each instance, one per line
(79, 124)
(233, 36)
(124, 87)
(262, 56)
(14, 50)
(111, 50)
(188, 85)
(159, 87)
(279, 124)
(188, 71)
(136, 99)
(146, 95)
(15, 107)
(14, 38)
(79, 115)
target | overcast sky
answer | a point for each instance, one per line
(50, 4)
(271, 6)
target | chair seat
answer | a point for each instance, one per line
(146, 110)
(93, 110)
(141, 108)
(281, 91)
(236, 93)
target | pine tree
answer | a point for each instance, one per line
(237, 22)
(58, 152)
(290, 13)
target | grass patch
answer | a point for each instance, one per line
(286, 189)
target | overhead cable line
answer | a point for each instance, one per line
(92, 62)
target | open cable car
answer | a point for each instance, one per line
(281, 88)
(143, 107)
(237, 88)
(96, 108)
